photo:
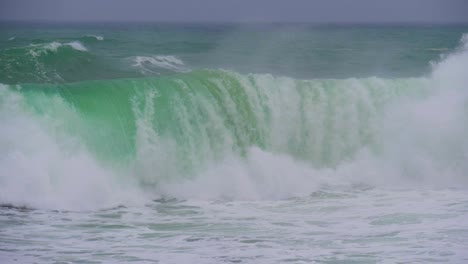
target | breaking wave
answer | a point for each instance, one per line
(93, 37)
(214, 134)
(156, 64)
(46, 62)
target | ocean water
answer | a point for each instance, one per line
(225, 143)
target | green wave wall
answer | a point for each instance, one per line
(192, 118)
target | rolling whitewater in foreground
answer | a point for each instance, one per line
(178, 143)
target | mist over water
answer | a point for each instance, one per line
(164, 149)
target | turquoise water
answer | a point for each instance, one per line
(179, 143)
(294, 50)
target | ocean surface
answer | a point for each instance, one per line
(233, 143)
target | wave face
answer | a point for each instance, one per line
(215, 134)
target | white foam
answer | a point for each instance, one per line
(42, 169)
(261, 176)
(77, 45)
(97, 37)
(54, 46)
(150, 64)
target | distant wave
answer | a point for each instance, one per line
(77, 46)
(37, 49)
(53, 46)
(92, 38)
(42, 62)
(152, 64)
(97, 37)
(437, 49)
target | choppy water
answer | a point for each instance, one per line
(233, 144)
(360, 226)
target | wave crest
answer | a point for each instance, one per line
(154, 64)
(37, 49)
(94, 37)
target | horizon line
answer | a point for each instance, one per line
(233, 22)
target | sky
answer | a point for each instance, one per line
(315, 11)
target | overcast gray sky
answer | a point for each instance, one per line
(325, 11)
